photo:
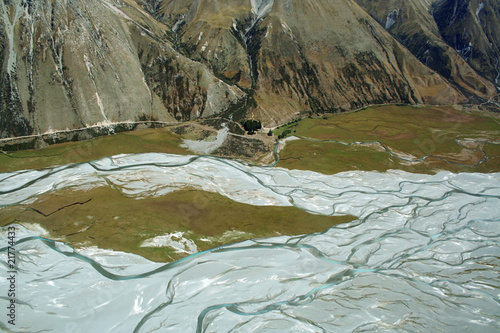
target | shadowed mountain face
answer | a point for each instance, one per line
(70, 64)
(473, 29)
(459, 39)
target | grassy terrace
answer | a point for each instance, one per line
(407, 132)
(159, 140)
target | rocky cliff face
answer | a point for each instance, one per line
(67, 64)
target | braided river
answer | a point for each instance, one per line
(423, 255)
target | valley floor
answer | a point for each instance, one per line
(414, 139)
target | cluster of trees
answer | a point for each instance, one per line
(284, 133)
(288, 130)
(252, 125)
(290, 123)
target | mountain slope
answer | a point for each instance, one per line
(322, 55)
(73, 64)
(473, 29)
(68, 64)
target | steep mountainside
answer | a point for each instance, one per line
(457, 38)
(322, 55)
(473, 29)
(70, 64)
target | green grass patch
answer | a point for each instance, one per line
(330, 158)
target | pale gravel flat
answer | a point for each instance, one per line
(209, 145)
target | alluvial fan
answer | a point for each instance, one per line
(423, 255)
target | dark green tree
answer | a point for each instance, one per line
(252, 125)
